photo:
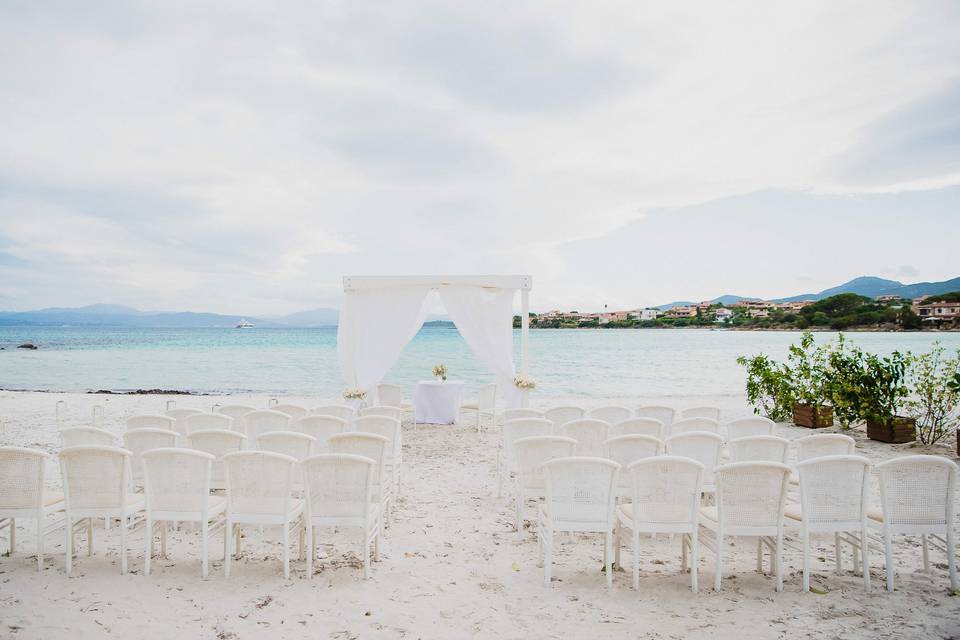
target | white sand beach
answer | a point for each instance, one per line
(451, 567)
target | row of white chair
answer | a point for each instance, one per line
(614, 413)
(916, 497)
(261, 489)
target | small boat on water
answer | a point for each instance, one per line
(244, 325)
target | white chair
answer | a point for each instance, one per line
(759, 449)
(260, 492)
(136, 441)
(375, 447)
(610, 414)
(520, 412)
(664, 414)
(258, 422)
(625, 450)
(486, 404)
(151, 422)
(750, 502)
(640, 427)
(389, 428)
(701, 412)
(237, 412)
(95, 485)
(561, 415)
(754, 426)
(382, 410)
(530, 454)
(513, 430)
(590, 435)
(694, 424)
(834, 496)
(341, 411)
(339, 493)
(177, 489)
(24, 494)
(702, 446)
(580, 497)
(218, 443)
(293, 410)
(665, 498)
(207, 421)
(917, 498)
(78, 436)
(321, 428)
(392, 396)
(290, 443)
(180, 416)
(824, 444)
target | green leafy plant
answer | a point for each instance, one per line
(768, 387)
(933, 382)
(882, 387)
(808, 368)
(844, 371)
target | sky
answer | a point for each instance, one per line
(241, 157)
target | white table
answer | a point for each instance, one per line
(437, 402)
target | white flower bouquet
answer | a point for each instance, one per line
(354, 394)
(524, 383)
(440, 371)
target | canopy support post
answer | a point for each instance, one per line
(524, 328)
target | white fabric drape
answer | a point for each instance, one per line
(375, 325)
(484, 317)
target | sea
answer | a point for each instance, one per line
(567, 363)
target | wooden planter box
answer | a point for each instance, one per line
(899, 431)
(812, 416)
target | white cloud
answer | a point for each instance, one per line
(237, 149)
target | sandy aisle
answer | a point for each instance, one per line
(452, 567)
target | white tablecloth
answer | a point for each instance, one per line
(437, 402)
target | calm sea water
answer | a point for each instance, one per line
(598, 363)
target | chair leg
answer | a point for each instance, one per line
(227, 534)
(952, 558)
(719, 568)
(286, 551)
(148, 540)
(311, 551)
(123, 545)
(636, 559)
(778, 562)
(806, 561)
(760, 555)
(365, 547)
(926, 553)
(888, 550)
(40, 543)
(204, 562)
(865, 559)
(547, 556)
(89, 537)
(694, 560)
(13, 536)
(68, 544)
(376, 547)
(607, 557)
(163, 539)
(838, 552)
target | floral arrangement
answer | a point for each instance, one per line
(354, 394)
(526, 383)
(440, 371)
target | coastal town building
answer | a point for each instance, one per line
(682, 312)
(723, 315)
(758, 313)
(646, 314)
(888, 297)
(939, 313)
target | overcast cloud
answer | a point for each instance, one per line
(242, 156)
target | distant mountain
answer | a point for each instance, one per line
(869, 286)
(311, 318)
(107, 315)
(724, 300)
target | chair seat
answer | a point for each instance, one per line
(875, 514)
(470, 405)
(51, 498)
(793, 511)
(709, 515)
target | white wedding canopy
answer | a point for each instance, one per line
(381, 314)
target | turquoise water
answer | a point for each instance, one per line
(598, 363)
